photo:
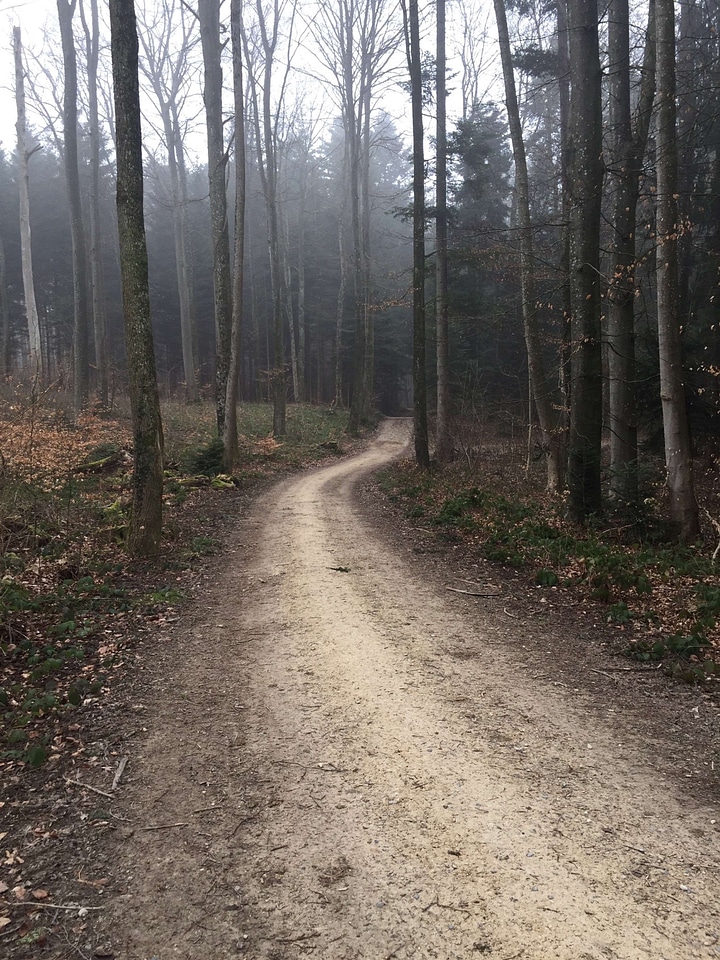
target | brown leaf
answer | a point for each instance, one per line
(4, 921)
(39, 894)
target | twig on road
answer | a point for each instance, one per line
(165, 826)
(119, 772)
(86, 786)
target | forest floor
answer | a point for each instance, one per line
(357, 744)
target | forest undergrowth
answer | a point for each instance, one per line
(661, 598)
(71, 602)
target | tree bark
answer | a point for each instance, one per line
(443, 440)
(4, 314)
(627, 148)
(422, 455)
(146, 518)
(24, 153)
(586, 178)
(209, 18)
(230, 436)
(81, 327)
(97, 277)
(678, 453)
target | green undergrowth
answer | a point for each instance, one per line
(664, 597)
(70, 601)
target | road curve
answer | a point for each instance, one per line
(359, 770)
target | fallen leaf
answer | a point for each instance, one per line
(39, 894)
(3, 886)
(19, 892)
(4, 921)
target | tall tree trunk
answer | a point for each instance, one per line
(443, 440)
(81, 328)
(340, 313)
(539, 384)
(422, 455)
(209, 18)
(24, 154)
(565, 298)
(146, 518)
(230, 437)
(624, 171)
(678, 454)
(586, 176)
(97, 277)
(4, 314)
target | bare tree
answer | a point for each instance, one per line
(412, 34)
(268, 94)
(24, 154)
(678, 453)
(97, 279)
(443, 441)
(146, 518)
(357, 41)
(539, 382)
(209, 18)
(230, 437)
(81, 342)
(628, 137)
(586, 180)
(167, 39)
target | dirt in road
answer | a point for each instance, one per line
(341, 758)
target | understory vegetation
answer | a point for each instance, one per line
(71, 602)
(662, 598)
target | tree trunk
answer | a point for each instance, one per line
(209, 18)
(624, 172)
(422, 455)
(230, 437)
(586, 176)
(146, 518)
(565, 298)
(443, 440)
(97, 277)
(678, 454)
(541, 388)
(24, 153)
(4, 315)
(81, 331)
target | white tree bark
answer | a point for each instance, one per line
(24, 154)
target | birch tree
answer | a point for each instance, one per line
(24, 154)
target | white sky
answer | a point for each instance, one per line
(31, 16)
(36, 16)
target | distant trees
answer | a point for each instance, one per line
(557, 229)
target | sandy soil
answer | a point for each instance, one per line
(345, 759)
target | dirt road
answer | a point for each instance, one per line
(343, 760)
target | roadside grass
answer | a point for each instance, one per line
(70, 600)
(663, 598)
